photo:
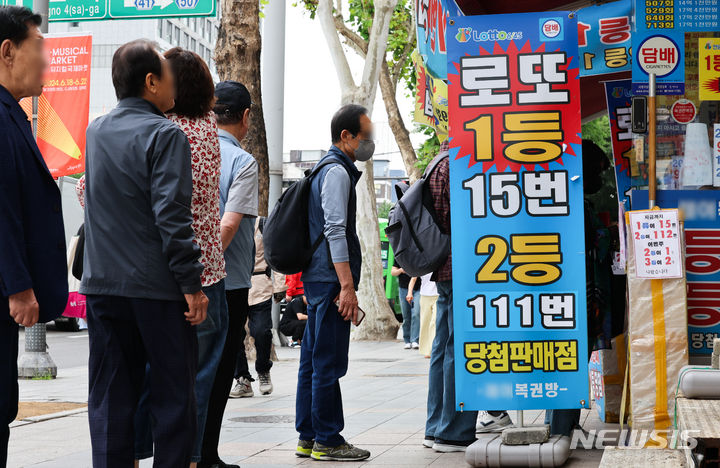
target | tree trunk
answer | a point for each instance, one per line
(397, 125)
(237, 57)
(380, 322)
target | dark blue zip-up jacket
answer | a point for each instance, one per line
(32, 236)
(321, 268)
(138, 223)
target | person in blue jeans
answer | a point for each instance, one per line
(446, 430)
(409, 289)
(330, 282)
(192, 113)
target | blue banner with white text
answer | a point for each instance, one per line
(604, 38)
(517, 211)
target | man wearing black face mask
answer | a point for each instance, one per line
(330, 282)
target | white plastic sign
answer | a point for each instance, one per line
(656, 242)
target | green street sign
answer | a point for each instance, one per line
(88, 10)
(25, 3)
(128, 9)
(78, 10)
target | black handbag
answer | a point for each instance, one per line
(77, 265)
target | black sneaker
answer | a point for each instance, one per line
(447, 446)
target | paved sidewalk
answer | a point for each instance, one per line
(384, 394)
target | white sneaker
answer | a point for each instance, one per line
(415, 345)
(489, 423)
(242, 389)
(449, 446)
(407, 346)
(266, 386)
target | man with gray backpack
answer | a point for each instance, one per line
(419, 232)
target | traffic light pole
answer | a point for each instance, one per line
(35, 362)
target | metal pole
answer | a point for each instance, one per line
(652, 124)
(35, 362)
(273, 78)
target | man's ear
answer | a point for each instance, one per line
(246, 117)
(7, 51)
(150, 82)
(345, 134)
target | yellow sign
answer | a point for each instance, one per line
(431, 103)
(709, 68)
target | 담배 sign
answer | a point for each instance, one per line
(518, 246)
(64, 103)
(658, 43)
(657, 243)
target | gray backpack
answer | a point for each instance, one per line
(418, 243)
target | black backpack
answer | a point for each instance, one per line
(418, 243)
(286, 236)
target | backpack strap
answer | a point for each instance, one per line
(310, 173)
(433, 164)
(327, 162)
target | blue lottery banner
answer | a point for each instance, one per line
(702, 259)
(628, 172)
(604, 38)
(659, 40)
(517, 212)
(431, 26)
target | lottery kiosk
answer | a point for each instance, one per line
(510, 84)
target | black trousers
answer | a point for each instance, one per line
(237, 300)
(8, 382)
(294, 329)
(259, 318)
(125, 334)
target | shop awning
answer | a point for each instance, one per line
(591, 88)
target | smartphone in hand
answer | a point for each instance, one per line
(360, 317)
(360, 314)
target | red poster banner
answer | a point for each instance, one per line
(64, 104)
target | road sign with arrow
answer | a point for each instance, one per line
(86, 10)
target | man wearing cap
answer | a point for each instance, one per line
(238, 208)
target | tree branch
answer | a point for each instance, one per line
(325, 16)
(407, 50)
(354, 40)
(377, 46)
(397, 125)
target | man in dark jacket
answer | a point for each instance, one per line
(141, 268)
(330, 283)
(33, 274)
